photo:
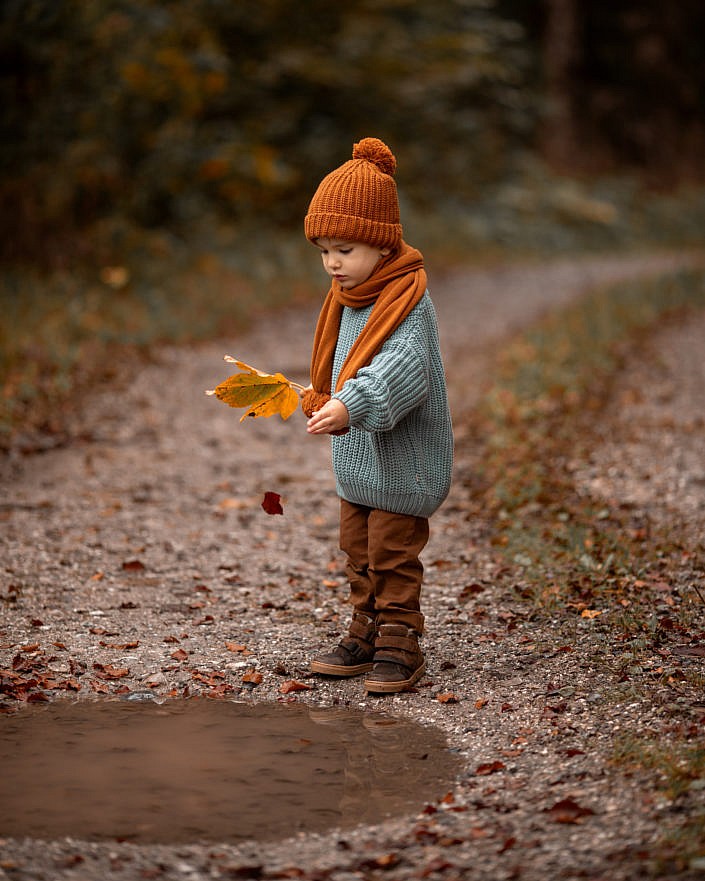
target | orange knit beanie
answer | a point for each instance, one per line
(358, 201)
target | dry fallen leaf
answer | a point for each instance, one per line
(107, 671)
(263, 394)
(489, 768)
(568, 811)
(133, 566)
(252, 676)
(293, 685)
(590, 613)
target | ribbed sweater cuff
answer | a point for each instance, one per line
(354, 401)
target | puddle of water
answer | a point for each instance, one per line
(210, 770)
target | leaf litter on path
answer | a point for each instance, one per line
(487, 645)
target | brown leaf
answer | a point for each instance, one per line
(272, 503)
(100, 687)
(236, 647)
(212, 679)
(133, 566)
(179, 655)
(292, 685)
(568, 811)
(252, 676)
(107, 671)
(386, 861)
(489, 768)
(448, 698)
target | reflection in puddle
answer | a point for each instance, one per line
(202, 769)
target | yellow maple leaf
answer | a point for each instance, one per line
(263, 394)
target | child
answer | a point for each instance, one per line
(378, 387)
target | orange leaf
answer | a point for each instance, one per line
(590, 613)
(293, 685)
(489, 768)
(107, 671)
(252, 676)
(263, 394)
(448, 698)
(236, 647)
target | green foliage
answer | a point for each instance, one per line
(676, 769)
(165, 112)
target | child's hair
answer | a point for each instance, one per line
(358, 202)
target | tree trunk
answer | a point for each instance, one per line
(561, 54)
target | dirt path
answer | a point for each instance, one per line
(149, 528)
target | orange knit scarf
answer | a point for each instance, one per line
(395, 287)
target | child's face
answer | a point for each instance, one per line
(349, 263)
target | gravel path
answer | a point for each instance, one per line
(149, 527)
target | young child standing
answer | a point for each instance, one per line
(378, 388)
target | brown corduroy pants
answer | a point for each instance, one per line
(383, 565)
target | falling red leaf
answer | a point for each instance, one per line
(568, 811)
(292, 685)
(272, 503)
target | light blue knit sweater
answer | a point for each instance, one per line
(398, 454)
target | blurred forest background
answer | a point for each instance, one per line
(158, 155)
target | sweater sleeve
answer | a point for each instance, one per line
(394, 383)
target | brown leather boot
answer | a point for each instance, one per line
(398, 660)
(354, 653)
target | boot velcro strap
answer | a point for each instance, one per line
(353, 648)
(405, 643)
(362, 630)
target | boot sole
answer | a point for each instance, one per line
(333, 670)
(380, 687)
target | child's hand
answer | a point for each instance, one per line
(332, 418)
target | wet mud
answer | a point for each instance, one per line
(185, 770)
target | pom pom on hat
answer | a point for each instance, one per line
(376, 152)
(358, 202)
